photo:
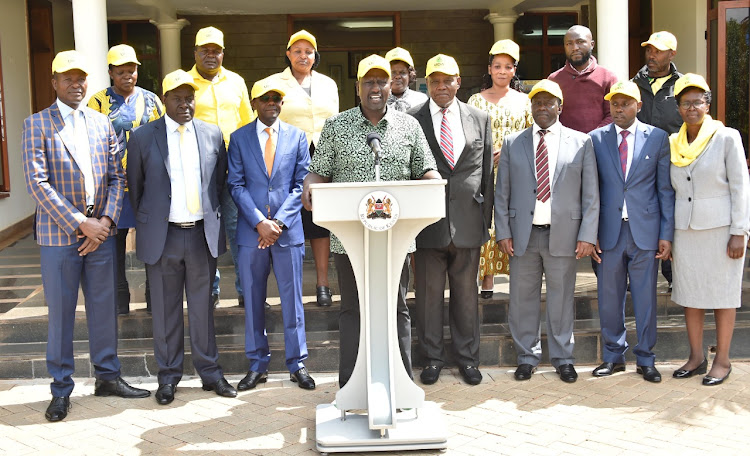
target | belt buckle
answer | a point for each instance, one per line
(625, 219)
(186, 225)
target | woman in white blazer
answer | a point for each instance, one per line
(712, 221)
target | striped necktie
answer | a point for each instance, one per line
(542, 169)
(446, 139)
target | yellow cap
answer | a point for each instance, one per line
(69, 60)
(661, 41)
(627, 88)
(545, 85)
(370, 62)
(209, 35)
(303, 35)
(269, 84)
(121, 54)
(508, 47)
(401, 54)
(442, 63)
(176, 79)
(690, 80)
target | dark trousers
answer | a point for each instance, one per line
(123, 289)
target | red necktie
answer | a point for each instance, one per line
(446, 139)
(542, 169)
(624, 152)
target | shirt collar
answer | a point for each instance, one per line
(630, 129)
(553, 129)
(452, 108)
(65, 110)
(261, 127)
(172, 124)
(197, 76)
(386, 117)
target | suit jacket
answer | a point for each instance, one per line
(55, 181)
(468, 193)
(256, 194)
(575, 192)
(714, 191)
(647, 189)
(151, 190)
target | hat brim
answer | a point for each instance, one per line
(658, 46)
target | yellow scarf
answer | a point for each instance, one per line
(683, 153)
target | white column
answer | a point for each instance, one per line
(169, 37)
(502, 23)
(612, 36)
(90, 33)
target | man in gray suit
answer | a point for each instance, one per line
(546, 217)
(177, 168)
(460, 138)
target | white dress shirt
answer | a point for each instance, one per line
(454, 120)
(260, 128)
(189, 159)
(75, 127)
(543, 211)
(630, 139)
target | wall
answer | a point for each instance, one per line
(687, 20)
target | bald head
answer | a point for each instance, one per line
(578, 46)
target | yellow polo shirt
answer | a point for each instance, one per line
(223, 102)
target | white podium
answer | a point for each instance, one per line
(377, 222)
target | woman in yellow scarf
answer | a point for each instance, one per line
(712, 222)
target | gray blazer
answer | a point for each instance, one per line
(714, 191)
(150, 188)
(468, 194)
(575, 192)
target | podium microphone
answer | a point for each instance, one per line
(373, 140)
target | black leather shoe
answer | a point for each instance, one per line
(524, 371)
(118, 387)
(567, 373)
(222, 388)
(251, 380)
(241, 300)
(471, 374)
(684, 373)
(165, 394)
(324, 296)
(303, 379)
(430, 374)
(215, 299)
(486, 294)
(650, 374)
(713, 381)
(607, 369)
(57, 409)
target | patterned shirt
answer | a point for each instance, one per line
(343, 154)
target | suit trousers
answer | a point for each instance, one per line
(255, 265)
(349, 318)
(618, 264)
(524, 314)
(186, 265)
(462, 267)
(63, 270)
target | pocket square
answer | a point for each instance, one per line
(647, 157)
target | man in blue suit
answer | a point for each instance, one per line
(268, 161)
(636, 225)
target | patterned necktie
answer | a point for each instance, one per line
(624, 152)
(270, 151)
(542, 169)
(446, 139)
(188, 176)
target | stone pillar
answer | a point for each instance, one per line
(90, 33)
(502, 23)
(169, 37)
(612, 36)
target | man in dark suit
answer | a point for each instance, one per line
(636, 225)
(267, 165)
(74, 176)
(460, 138)
(176, 170)
(546, 217)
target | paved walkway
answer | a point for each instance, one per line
(618, 415)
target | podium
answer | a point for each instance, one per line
(376, 222)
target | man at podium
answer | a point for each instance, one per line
(343, 155)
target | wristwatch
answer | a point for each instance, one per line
(280, 223)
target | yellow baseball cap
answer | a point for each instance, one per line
(508, 47)
(661, 41)
(690, 80)
(269, 84)
(626, 88)
(176, 79)
(121, 54)
(209, 35)
(69, 60)
(370, 62)
(401, 54)
(442, 63)
(303, 35)
(545, 85)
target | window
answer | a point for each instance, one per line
(4, 174)
(541, 36)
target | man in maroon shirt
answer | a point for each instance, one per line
(583, 83)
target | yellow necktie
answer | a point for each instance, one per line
(188, 176)
(270, 152)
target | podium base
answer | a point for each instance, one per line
(414, 431)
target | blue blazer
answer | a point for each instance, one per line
(647, 189)
(256, 194)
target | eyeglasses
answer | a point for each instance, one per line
(695, 104)
(267, 98)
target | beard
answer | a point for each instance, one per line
(580, 61)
